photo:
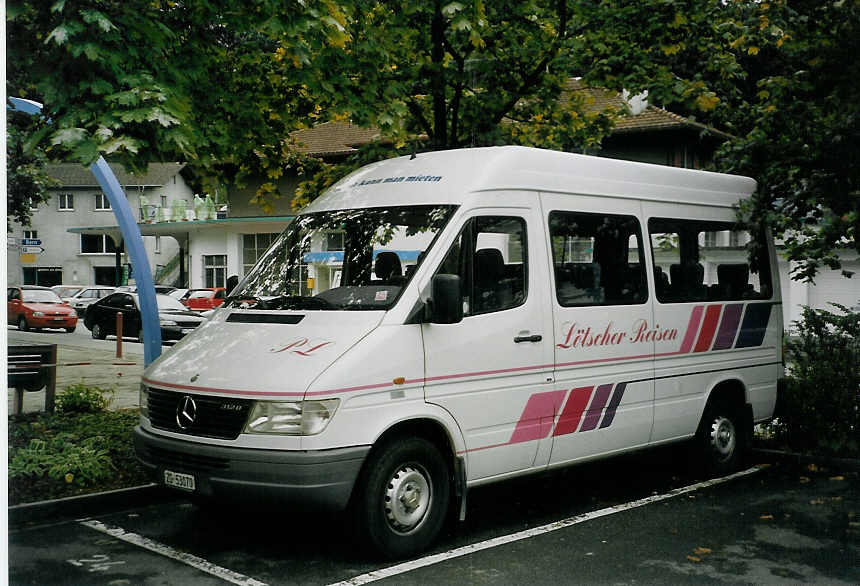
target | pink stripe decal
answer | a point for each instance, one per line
(709, 326)
(692, 329)
(538, 416)
(573, 409)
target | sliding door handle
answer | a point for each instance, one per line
(533, 338)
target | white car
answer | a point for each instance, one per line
(87, 295)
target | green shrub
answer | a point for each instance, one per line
(80, 398)
(821, 403)
(65, 458)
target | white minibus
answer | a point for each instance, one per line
(437, 322)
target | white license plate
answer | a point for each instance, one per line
(179, 480)
(59, 318)
(187, 330)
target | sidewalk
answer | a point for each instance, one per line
(94, 368)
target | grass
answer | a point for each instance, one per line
(68, 454)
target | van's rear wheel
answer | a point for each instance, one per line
(403, 496)
(722, 438)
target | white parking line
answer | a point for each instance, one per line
(186, 558)
(528, 533)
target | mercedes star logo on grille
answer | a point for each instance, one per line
(186, 412)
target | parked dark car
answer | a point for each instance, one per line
(175, 319)
(29, 306)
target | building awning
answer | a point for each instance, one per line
(336, 256)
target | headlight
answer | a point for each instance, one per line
(167, 322)
(291, 417)
(144, 401)
(38, 314)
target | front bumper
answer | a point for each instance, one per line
(51, 322)
(320, 479)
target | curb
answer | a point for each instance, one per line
(795, 458)
(87, 505)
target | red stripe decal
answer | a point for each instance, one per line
(536, 419)
(692, 328)
(573, 409)
(706, 336)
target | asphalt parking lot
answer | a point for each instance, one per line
(638, 519)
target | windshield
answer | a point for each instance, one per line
(345, 259)
(40, 296)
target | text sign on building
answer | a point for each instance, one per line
(32, 250)
(31, 241)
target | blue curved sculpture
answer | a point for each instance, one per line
(133, 243)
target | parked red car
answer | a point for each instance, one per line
(38, 307)
(204, 299)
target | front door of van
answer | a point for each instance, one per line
(493, 370)
(603, 326)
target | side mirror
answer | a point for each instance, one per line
(447, 300)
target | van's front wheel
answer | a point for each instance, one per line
(403, 498)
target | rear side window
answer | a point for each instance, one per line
(597, 259)
(698, 260)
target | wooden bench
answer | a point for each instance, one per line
(32, 367)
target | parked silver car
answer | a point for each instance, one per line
(87, 295)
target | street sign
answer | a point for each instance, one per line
(28, 258)
(31, 241)
(32, 250)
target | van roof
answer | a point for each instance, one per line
(450, 177)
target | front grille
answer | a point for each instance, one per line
(188, 324)
(179, 461)
(216, 417)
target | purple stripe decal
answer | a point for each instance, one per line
(729, 326)
(692, 329)
(592, 416)
(613, 405)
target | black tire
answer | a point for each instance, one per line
(402, 497)
(22, 324)
(721, 439)
(70, 330)
(98, 333)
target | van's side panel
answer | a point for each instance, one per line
(603, 351)
(732, 338)
(498, 390)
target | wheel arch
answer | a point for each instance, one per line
(730, 390)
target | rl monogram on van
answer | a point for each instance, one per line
(301, 346)
(584, 337)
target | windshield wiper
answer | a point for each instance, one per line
(280, 302)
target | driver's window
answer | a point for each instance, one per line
(489, 256)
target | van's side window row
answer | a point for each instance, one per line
(598, 259)
(697, 260)
(490, 258)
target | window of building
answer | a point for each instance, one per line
(157, 245)
(102, 202)
(32, 204)
(253, 247)
(700, 260)
(66, 202)
(43, 276)
(214, 270)
(489, 256)
(97, 244)
(598, 259)
(31, 234)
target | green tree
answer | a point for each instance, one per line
(797, 122)
(153, 80)
(469, 73)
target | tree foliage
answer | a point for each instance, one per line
(27, 183)
(202, 81)
(798, 126)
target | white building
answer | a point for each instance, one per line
(72, 256)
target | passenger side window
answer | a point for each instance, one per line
(490, 258)
(699, 260)
(597, 259)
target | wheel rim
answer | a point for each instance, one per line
(22, 323)
(97, 331)
(408, 496)
(723, 438)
